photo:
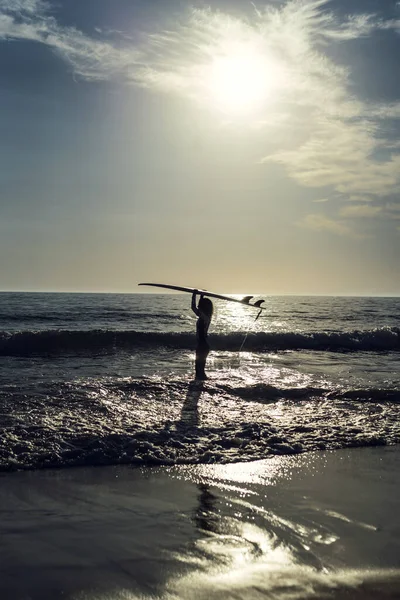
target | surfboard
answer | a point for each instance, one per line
(244, 301)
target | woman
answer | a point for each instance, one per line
(204, 311)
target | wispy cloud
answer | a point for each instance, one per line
(392, 211)
(393, 206)
(363, 211)
(90, 58)
(350, 217)
(327, 137)
(355, 26)
(323, 135)
(25, 7)
(317, 222)
(340, 153)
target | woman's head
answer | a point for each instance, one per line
(206, 306)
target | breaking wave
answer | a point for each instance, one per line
(54, 341)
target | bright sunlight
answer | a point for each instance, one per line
(242, 80)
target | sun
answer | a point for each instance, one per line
(242, 80)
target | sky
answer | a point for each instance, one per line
(242, 147)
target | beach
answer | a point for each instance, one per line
(319, 525)
(200, 300)
(122, 478)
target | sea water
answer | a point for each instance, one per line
(96, 379)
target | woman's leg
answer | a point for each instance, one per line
(202, 352)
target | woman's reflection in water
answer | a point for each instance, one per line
(206, 516)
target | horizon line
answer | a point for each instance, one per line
(177, 293)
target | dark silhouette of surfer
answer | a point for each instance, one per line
(204, 311)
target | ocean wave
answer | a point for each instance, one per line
(259, 392)
(152, 421)
(25, 343)
(71, 317)
(262, 392)
(44, 445)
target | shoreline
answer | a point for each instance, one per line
(323, 522)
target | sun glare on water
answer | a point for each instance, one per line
(243, 80)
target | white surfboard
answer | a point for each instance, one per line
(179, 288)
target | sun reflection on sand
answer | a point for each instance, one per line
(256, 472)
(276, 543)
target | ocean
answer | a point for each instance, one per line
(107, 379)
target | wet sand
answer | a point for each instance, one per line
(315, 525)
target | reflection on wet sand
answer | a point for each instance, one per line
(268, 531)
(207, 517)
(230, 537)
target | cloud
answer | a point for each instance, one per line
(359, 198)
(356, 26)
(90, 58)
(360, 211)
(383, 111)
(392, 211)
(339, 153)
(393, 206)
(318, 222)
(323, 136)
(389, 212)
(341, 138)
(24, 7)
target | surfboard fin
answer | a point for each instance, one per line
(246, 299)
(258, 303)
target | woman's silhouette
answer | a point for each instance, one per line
(204, 311)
